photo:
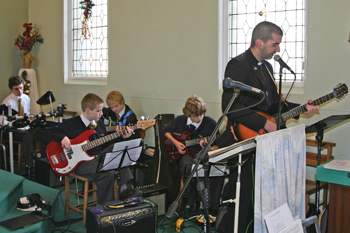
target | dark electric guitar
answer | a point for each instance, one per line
(339, 91)
(185, 138)
(64, 161)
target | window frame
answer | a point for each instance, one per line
(69, 78)
(223, 45)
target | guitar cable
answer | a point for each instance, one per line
(241, 109)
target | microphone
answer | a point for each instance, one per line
(229, 83)
(282, 63)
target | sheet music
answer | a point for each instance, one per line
(338, 164)
(229, 151)
(134, 152)
(281, 220)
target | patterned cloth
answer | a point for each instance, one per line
(280, 174)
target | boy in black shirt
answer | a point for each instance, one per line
(92, 106)
(199, 125)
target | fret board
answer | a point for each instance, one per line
(105, 139)
(302, 108)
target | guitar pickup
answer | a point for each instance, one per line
(54, 159)
(62, 157)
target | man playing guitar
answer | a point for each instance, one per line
(193, 120)
(251, 68)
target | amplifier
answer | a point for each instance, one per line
(45, 175)
(136, 218)
(157, 194)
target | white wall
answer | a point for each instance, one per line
(163, 51)
(12, 17)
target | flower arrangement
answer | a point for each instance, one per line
(86, 5)
(28, 39)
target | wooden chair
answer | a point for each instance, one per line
(81, 208)
(311, 161)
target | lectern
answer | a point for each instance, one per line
(339, 202)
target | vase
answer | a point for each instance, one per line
(27, 60)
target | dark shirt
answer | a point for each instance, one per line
(244, 68)
(125, 120)
(179, 124)
(72, 128)
(128, 119)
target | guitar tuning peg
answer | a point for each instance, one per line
(142, 118)
(147, 117)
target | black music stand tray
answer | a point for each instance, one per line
(319, 128)
(123, 154)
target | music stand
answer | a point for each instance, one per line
(123, 154)
(215, 169)
(319, 128)
(232, 151)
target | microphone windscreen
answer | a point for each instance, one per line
(276, 57)
(228, 83)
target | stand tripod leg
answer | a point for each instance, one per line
(319, 138)
(117, 185)
(238, 193)
(11, 152)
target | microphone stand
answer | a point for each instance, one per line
(203, 156)
(60, 109)
(10, 139)
(279, 99)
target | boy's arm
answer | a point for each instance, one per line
(179, 145)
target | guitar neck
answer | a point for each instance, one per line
(105, 139)
(302, 108)
(195, 141)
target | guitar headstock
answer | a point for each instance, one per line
(340, 90)
(146, 124)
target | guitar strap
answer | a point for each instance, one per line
(273, 80)
(126, 115)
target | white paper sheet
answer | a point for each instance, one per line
(281, 219)
(338, 164)
(134, 152)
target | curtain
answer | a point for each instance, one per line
(280, 174)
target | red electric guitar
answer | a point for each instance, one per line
(65, 161)
(185, 138)
(339, 91)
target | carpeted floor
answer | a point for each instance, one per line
(164, 226)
